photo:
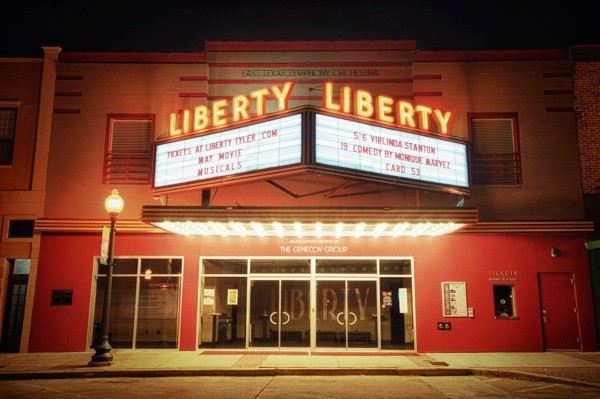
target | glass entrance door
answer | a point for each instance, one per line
(279, 313)
(347, 314)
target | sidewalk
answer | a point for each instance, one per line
(582, 368)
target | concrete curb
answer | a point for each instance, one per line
(522, 375)
(272, 372)
(228, 372)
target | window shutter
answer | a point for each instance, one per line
(128, 161)
(131, 136)
(495, 156)
(492, 136)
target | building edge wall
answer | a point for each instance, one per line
(39, 175)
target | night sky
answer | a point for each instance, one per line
(175, 26)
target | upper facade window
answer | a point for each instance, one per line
(495, 149)
(8, 123)
(128, 155)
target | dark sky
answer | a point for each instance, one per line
(177, 26)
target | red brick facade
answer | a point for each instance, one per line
(586, 91)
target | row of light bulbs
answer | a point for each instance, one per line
(318, 229)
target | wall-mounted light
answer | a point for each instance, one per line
(555, 252)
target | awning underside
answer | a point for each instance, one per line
(304, 222)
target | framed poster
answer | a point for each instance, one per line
(209, 296)
(386, 299)
(454, 299)
(232, 296)
(403, 300)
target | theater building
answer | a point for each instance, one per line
(318, 196)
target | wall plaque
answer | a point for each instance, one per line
(62, 298)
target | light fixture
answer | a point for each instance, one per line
(307, 229)
(306, 222)
(102, 355)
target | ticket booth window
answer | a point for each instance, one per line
(504, 304)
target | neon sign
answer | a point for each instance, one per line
(359, 103)
(201, 117)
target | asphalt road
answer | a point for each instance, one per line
(289, 387)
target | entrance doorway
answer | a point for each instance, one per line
(14, 311)
(323, 304)
(347, 314)
(559, 312)
(279, 313)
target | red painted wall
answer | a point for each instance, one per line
(454, 258)
(66, 262)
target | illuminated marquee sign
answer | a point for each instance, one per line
(373, 149)
(359, 103)
(339, 145)
(251, 148)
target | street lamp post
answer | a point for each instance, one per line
(102, 355)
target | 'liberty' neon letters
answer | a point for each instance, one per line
(359, 103)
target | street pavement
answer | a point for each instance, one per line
(574, 368)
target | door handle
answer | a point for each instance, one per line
(285, 313)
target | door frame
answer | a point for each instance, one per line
(565, 316)
(346, 279)
(280, 278)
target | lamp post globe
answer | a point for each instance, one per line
(102, 355)
(114, 203)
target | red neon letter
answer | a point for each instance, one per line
(219, 113)
(201, 118)
(282, 95)
(363, 103)
(442, 120)
(259, 95)
(405, 114)
(328, 97)
(424, 113)
(384, 109)
(173, 130)
(240, 108)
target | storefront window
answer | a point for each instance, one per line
(395, 266)
(266, 302)
(286, 266)
(397, 321)
(144, 311)
(346, 266)
(223, 317)
(225, 266)
(504, 301)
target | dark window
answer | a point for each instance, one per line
(20, 229)
(504, 301)
(495, 149)
(128, 152)
(8, 124)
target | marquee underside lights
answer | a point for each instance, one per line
(308, 222)
(318, 229)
